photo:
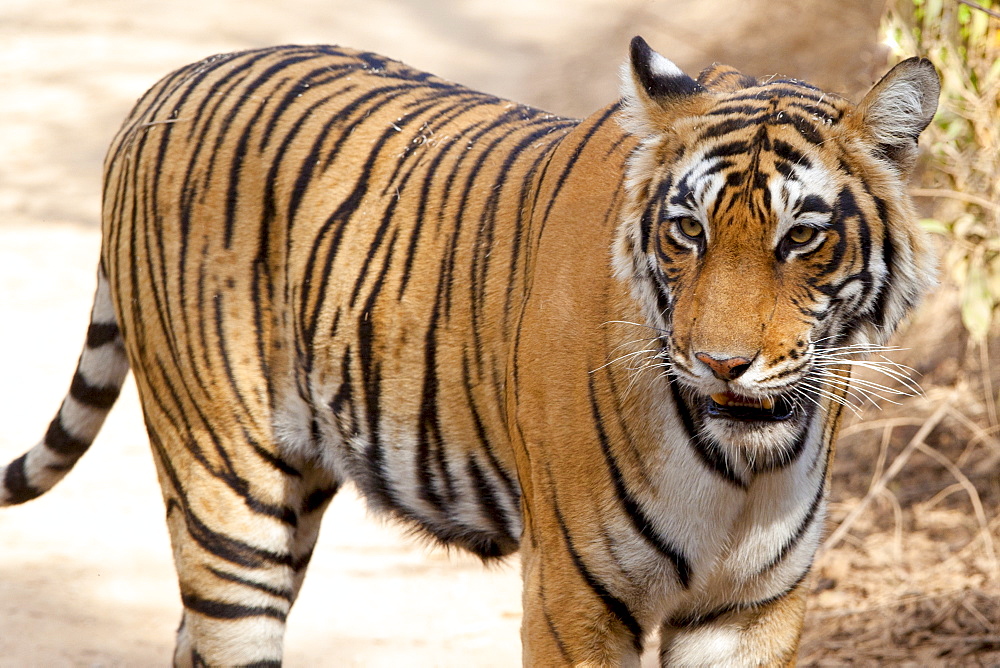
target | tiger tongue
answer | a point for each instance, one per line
(730, 399)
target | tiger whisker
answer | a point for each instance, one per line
(636, 324)
(912, 388)
(869, 387)
(860, 390)
(628, 343)
(623, 357)
(823, 390)
(896, 371)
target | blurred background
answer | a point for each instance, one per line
(909, 573)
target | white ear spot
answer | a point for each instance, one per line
(662, 66)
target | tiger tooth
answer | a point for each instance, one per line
(767, 404)
(720, 399)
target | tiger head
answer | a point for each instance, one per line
(768, 234)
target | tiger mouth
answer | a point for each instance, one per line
(732, 406)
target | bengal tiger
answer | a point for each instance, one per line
(620, 344)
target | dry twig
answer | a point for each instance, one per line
(897, 465)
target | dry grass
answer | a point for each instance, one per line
(910, 573)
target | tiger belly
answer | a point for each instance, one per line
(458, 492)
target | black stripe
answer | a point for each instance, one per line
(100, 333)
(726, 126)
(812, 204)
(275, 461)
(278, 592)
(510, 485)
(371, 382)
(223, 546)
(640, 521)
(570, 165)
(16, 482)
(548, 617)
(788, 152)
(221, 610)
(429, 439)
(101, 398)
(727, 149)
(804, 525)
(61, 442)
(804, 127)
(754, 113)
(489, 505)
(694, 620)
(318, 499)
(888, 258)
(617, 607)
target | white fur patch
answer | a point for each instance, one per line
(293, 427)
(664, 67)
(103, 310)
(104, 366)
(707, 646)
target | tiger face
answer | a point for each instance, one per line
(760, 242)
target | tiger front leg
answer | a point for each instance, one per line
(569, 615)
(766, 635)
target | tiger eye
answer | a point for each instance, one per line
(690, 227)
(801, 234)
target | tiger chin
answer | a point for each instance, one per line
(620, 345)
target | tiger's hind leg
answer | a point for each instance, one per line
(240, 571)
(243, 523)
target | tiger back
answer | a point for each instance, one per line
(620, 344)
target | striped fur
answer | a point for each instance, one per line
(504, 327)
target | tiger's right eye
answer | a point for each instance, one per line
(690, 227)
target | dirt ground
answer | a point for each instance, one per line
(85, 572)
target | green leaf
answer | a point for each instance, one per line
(977, 304)
(934, 226)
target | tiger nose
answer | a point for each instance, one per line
(729, 368)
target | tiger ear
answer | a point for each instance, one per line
(650, 86)
(898, 108)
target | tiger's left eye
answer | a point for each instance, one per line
(800, 235)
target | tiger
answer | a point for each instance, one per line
(620, 345)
